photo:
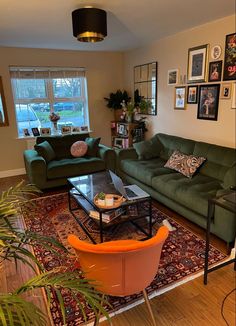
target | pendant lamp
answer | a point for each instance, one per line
(89, 24)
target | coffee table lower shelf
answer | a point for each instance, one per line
(83, 203)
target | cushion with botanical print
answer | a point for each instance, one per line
(185, 164)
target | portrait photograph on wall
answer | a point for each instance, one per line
(192, 94)
(230, 57)
(197, 59)
(215, 70)
(225, 91)
(208, 102)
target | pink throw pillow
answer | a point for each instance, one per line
(79, 148)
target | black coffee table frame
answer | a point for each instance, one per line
(87, 205)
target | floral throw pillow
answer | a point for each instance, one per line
(185, 164)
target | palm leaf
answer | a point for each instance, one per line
(15, 311)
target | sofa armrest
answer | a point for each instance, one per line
(36, 168)
(123, 154)
(108, 155)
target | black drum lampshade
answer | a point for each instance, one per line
(89, 24)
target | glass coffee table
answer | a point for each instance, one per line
(84, 188)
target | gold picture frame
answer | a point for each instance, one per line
(3, 109)
(197, 63)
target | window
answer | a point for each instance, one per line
(40, 91)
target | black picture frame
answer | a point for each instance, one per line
(35, 132)
(3, 108)
(192, 94)
(230, 57)
(215, 71)
(208, 101)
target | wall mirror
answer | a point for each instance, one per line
(3, 109)
(145, 88)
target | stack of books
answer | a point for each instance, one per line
(108, 216)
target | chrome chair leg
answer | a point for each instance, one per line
(149, 307)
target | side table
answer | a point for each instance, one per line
(230, 206)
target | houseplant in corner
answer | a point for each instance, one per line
(15, 245)
(114, 102)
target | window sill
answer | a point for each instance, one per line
(58, 134)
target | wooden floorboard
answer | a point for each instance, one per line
(191, 304)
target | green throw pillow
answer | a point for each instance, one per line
(145, 149)
(230, 178)
(93, 145)
(45, 150)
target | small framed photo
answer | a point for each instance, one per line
(84, 128)
(26, 132)
(180, 98)
(45, 131)
(35, 132)
(234, 96)
(230, 55)
(173, 77)
(208, 102)
(197, 59)
(225, 91)
(216, 52)
(215, 70)
(192, 94)
(75, 129)
(118, 142)
(66, 130)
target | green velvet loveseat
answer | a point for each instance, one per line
(53, 170)
(188, 197)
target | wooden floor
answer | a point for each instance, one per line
(191, 304)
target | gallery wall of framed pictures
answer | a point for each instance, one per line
(209, 80)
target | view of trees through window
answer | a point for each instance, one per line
(36, 98)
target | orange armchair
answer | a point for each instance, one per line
(116, 265)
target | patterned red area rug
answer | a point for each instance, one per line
(182, 257)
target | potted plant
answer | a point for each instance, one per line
(115, 100)
(15, 245)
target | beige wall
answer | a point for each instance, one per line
(171, 53)
(104, 74)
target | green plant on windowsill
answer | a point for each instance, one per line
(15, 245)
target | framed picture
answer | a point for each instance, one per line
(173, 77)
(234, 96)
(180, 98)
(45, 131)
(225, 91)
(208, 102)
(35, 132)
(118, 142)
(216, 52)
(215, 70)
(84, 128)
(192, 94)
(26, 132)
(66, 129)
(197, 59)
(75, 129)
(230, 57)
(3, 108)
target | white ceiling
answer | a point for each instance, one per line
(131, 23)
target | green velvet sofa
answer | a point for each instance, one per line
(49, 173)
(188, 197)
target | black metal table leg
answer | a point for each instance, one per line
(100, 227)
(150, 217)
(210, 213)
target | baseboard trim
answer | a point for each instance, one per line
(12, 173)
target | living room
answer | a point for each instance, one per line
(109, 66)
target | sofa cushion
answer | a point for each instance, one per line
(230, 178)
(219, 159)
(45, 150)
(191, 193)
(143, 170)
(146, 149)
(75, 166)
(79, 148)
(93, 145)
(184, 164)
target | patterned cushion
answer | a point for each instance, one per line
(79, 148)
(185, 164)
